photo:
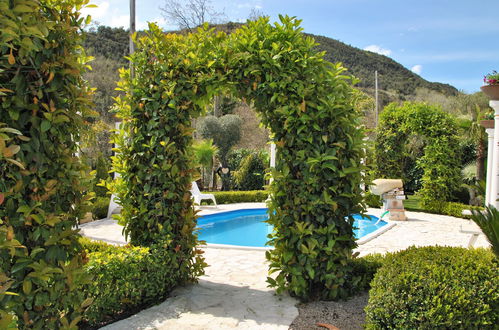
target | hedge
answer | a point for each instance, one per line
(435, 288)
(132, 278)
(448, 208)
(127, 278)
(253, 196)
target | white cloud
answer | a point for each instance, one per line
(120, 21)
(378, 49)
(418, 68)
(253, 4)
(96, 13)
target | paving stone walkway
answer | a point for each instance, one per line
(234, 294)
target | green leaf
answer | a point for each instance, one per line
(45, 126)
(27, 286)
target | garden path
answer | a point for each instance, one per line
(233, 293)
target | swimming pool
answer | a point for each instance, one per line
(246, 227)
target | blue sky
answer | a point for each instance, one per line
(453, 42)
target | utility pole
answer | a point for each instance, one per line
(376, 96)
(132, 31)
(132, 25)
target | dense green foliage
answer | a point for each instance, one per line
(435, 133)
(316, 180)
(488, 221)
(229, 197)
(44, 100)
(236, 156)
(251, 173)
(304, 100)
(103, 78)
(155, 156)
(127, 277)
(100, 207)
(435, 288)
(448, 208)
(413, 203)
(362, 272)
(102, 167)
(372, 200)
(110, 43)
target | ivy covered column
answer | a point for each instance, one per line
(44, 101)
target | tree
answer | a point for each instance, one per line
(103, 78)
(255, 14)
(191, 14)
(476, 106)
(225, 132)
(205, 151)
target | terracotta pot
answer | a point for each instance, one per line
(492, 91)
(489, 123)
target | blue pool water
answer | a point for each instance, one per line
(246, 227)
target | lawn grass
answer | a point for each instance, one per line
(413, 203)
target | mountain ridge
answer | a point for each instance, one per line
(396, 82)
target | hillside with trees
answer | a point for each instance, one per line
(396, 83)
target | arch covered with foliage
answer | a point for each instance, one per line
(441, 160)
(306, 102)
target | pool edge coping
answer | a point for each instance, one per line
(369, 237)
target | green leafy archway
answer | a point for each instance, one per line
(441, 160)
(304, 100)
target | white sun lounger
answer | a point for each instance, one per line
(198, 196)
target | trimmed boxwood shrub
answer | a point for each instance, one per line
(435, 287)
(449, 208)
(127, 278)
(228, 197)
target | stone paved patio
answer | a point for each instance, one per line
(233, 293)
